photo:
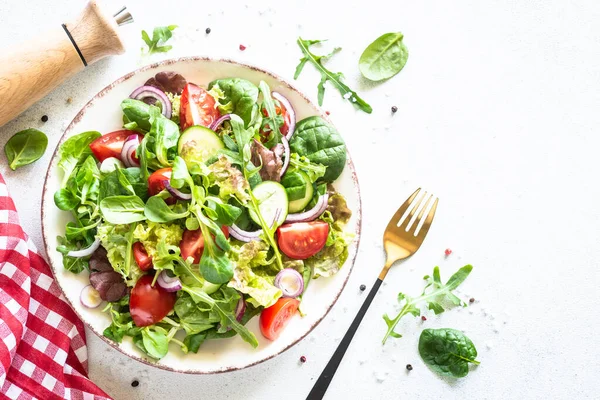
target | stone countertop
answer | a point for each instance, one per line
(497, 115)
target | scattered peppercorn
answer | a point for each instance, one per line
(242, 47)
(447, 252)
(423, 318)
(394, 109)
(471, 300)
(302, 359)
(69, 100)
(362, 288)
(409, 367)
(135, 383)
(327, 112)
(44, 118)
(207, 31)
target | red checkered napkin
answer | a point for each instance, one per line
(42, 342)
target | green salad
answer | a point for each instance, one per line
(210, 206)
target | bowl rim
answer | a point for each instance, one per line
(159, 64)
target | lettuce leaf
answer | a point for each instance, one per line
(229, 179)
(151, 234)
(115, 239)
(250, 277)
(332, 257)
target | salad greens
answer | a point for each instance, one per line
(384, 58)
(25, 147)
(160, 35)
(326, 75)
(434, 294)
(447, 351)
(179, 226)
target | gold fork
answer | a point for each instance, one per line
(401, 240)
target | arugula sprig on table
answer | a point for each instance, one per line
(326, 75)
(160, 35)
(434, 294)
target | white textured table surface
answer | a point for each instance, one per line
(498, 115)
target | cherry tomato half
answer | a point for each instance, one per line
(273, 319)
(157, 183)
(111, 144)
(142, 259)
(149, 304)
(192, 243)
(301, 240)
(197, 107)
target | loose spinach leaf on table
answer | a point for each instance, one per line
(160, 35)
(320, 142)
(384, 58)
(447, 351)
(25, 147)
(239, 97)
(434, 294)
(74, 151)
(326, 75)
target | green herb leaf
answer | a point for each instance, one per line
(326, 75)
(122, 209)
(65, 200)
(74, 151)
(447, 351)
(25, 147)
(155, 343)
(160, 35)
(384, 58)
(433, 295)
(239, 97)
(156, 210)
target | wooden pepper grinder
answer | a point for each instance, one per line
(33, 69)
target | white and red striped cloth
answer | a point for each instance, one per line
(43, 354)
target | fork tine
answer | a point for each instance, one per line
(420, 216)
(428, 221)
(412, 213)
(398, 215)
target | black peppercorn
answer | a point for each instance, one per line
(44, 118)
(394, 109)
(362, 288)
(135, 383)
(471, 300)
(207, 31)
(409, 367)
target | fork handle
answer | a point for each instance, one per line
(320, 387)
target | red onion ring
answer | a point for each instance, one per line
(170, 284)
(311, 214)
(176, 193)
(128, 151)
(244, 236)
(150, 91)
(219, 121)
(240, 309)
(85, 252)
(290, 110)
(286, 154)
(283, 280)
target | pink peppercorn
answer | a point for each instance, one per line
(242, 47)
(448, 252)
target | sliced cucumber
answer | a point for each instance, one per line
(300, 204)
(271, 197)
(197, 144)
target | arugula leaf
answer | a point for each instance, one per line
(433, 295)
(447, 351)
(160, 35)
(272, 122)
(326, 75)
(25, 147)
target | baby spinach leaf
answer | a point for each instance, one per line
(155, 343)
(138, 112)
(384, 58)
(320, 142)
(433, 295)
(74, 151)
(239, 97)
(326, 75)
(157, 210)
(160, 35)
(447, 351)
(25, 147)
(122, 209)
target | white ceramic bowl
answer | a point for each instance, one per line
(103, 114)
